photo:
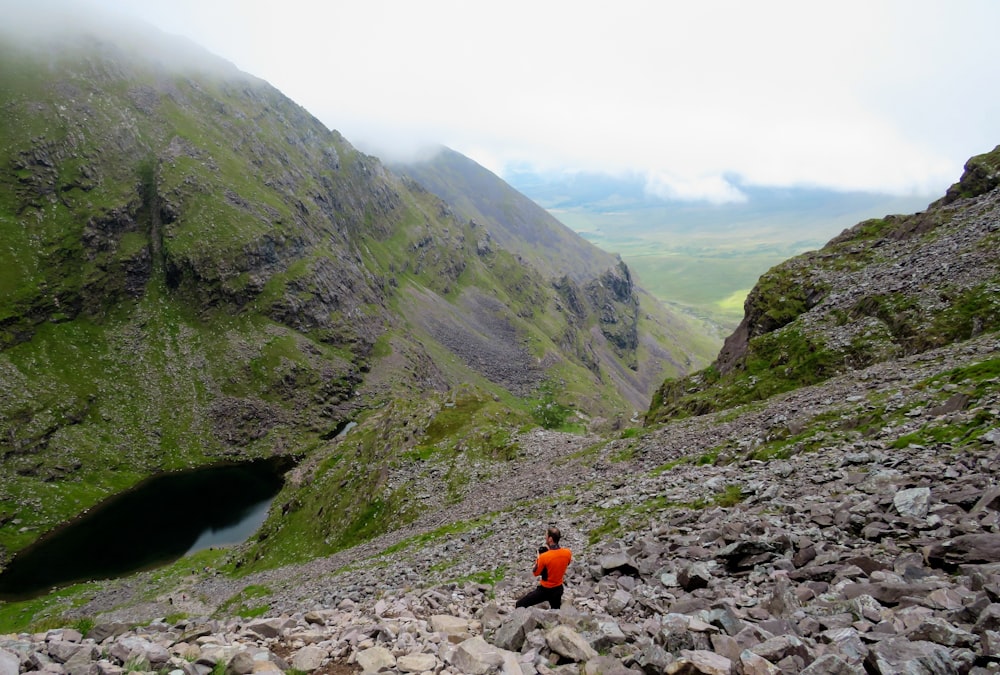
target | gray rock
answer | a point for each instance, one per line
(778, 648)
(511, 634)
(375, 659)
(695, 576)
(450, 625)
(569, 644)
(475, 656)
(700, 661)
(62, 651)
(939, 631)
(268, 628)
(618, 562)
(242, 663)
(609, 634)
(309, 658)
(416, 663)
(831, 664)
(9, 663)
(899, 656)
(607, 665)
(847, 643)
(913, 502)
(964, 549)
(618, 602)
(754, 664)
(653, 658)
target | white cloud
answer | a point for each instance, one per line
(890, 95)
(713, 189)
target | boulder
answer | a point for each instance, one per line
(569, 644)
(242, 663)
(899, 656)
(375, 659)
(309, 658)
(913, 502)
(451, 626)
(9, 663)
(607, 665)
(510, 635)
(831, 664)
(693, 662)
(416, 663)
(475, 656)
(964, 549)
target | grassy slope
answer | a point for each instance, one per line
(194, 269)
(784, 351)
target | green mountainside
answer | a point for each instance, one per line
(632, 328)
(195, 270)
(515, 222)
(885, 289)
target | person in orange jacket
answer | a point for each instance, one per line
(551, 566)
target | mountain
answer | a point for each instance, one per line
(514, 221)
(590, 281)
(884, 289)
(195, 270)
(846, 526)
(699, 257)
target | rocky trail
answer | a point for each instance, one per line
(855, 553)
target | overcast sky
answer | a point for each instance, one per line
(700, 96)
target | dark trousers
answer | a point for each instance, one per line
(541, 594)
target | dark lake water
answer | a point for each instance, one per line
(156, 523)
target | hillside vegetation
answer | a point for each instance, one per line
(195, 271)
(885, 289)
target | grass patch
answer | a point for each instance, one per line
(775, 362)
(247, 603)
(43, 613)
(625, 454)
(486, 577)
(730, 496)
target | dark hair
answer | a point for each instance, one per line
(555, 534)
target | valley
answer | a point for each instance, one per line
(769, 430)
(701, 258)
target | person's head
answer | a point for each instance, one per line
(552, 536)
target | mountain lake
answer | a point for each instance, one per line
(159, 521)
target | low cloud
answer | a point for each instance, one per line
(891, 96)
(712, 189)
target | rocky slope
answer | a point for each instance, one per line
(886, 288)
(849, 527)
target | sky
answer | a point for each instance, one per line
(701, 98)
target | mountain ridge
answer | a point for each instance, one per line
(197, 271)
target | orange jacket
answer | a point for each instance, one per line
(551, 566)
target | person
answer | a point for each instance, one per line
(550, 566)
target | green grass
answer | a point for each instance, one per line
(776, 362)
(490, 577)
(248, 603)
(45, 612)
